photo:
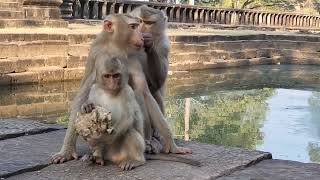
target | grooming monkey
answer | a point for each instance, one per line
(153, 26)
(124, 144)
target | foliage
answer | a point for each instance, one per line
(62, 120)
(231, 118)
(314, 152)
(304, 6)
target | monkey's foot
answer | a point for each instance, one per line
(182, 150)
(173, 148)
(154, 146)
(94, 159)
(128, 165)
(62, 157)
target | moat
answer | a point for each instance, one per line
(268, 108)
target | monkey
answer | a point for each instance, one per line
(153, 26)
(119, 37)
(124, 142)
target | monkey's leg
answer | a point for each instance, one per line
(131, 152)
(68, 150)
(156, 117)
(159, 98)
(159, 123)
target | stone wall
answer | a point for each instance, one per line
(38, 58)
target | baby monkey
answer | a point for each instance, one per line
(115, 130)
(112, 122)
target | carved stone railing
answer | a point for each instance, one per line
(97, 9)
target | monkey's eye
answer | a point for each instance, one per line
(107, 76)
(149, 22)
(133, 26)
(116, 76)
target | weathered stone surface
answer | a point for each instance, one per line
(277, 170)
(29, 152)
(216, 161)
(10, 128)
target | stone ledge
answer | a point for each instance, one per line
(11, 128)
(216, 161)
(277, 170)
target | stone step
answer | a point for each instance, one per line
(17, 65)
(20, 23)
(9, 14)
(42, 74)
(33, 48)
(10, 6)
(15, 37)
(234, 46)
(220, 63)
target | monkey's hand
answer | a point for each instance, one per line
(63, 156)
(171, 147)
(148, 40)
(87, 107)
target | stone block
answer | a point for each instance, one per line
(78, 50)
(24, 77)
(28, 98)
(47, 74)
(8, 50)
(73, 73)
(7, 66)
(76, 61)
(10, 14)
(59, 61)
(23, 65)
(43, 13)
(8, 111)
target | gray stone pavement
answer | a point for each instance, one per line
(10, 128)
(277, 170)
(27, 157)
(215, 160)
(27, 153)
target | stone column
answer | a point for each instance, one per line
(66, 9)
(51, 8)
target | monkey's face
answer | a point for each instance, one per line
(112, 81)
(136, 38)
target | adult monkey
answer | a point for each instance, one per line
(119, 37)
(153, 26)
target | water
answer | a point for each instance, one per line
(268, 108)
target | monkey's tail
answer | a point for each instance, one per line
(172, 157)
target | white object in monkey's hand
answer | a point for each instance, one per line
(99, 120)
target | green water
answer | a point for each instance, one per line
(268, 108)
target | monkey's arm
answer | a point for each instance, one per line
(68, 150)
(89, 68)
(158, 62)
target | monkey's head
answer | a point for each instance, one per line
(123, 30)
(152, 20)
(113, 76)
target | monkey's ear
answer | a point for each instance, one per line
(107, 26)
